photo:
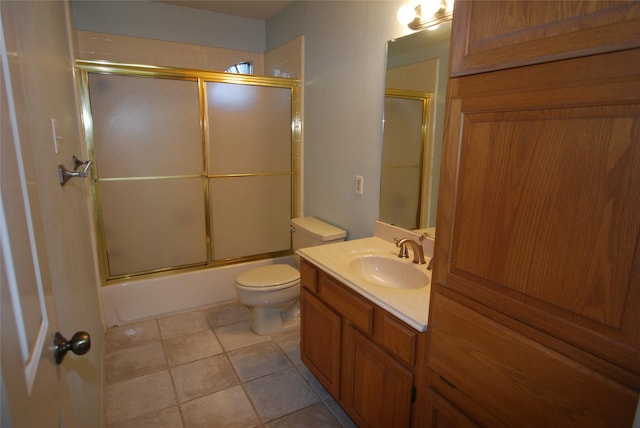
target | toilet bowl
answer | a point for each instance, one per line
(272, 292)
(268, 291)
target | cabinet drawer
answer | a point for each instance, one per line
(513, 377)
(308, 276)
(351, 306)
(395, 336)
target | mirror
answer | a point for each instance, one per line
(416, 86)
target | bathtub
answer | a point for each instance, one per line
(134, 300)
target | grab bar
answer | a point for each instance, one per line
(64, 174)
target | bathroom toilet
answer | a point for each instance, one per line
(272, 292)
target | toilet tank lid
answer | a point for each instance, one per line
(318, 228)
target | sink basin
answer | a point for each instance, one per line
(389, 272)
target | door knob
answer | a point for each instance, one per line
(79, 344)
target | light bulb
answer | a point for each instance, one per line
(449, 5)
(430, 7)
(406, 14)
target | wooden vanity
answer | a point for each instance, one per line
(368, 359)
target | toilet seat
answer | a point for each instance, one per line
(271, 277)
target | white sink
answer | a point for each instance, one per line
(371, 267)
(388, 272)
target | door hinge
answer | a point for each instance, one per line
(413, 394)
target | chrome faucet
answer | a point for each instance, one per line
(418, 254)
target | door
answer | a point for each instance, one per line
(47, 271)
(320, 342)
(376, 389)
(29, 374)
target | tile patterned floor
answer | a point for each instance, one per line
(206, 368)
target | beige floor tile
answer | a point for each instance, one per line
(279, 394)
(137, 361)
(203, 377)
(191, 347)
(316, 415)
(228, 314)
(258, 360)
(229, 408)
(166, 418)
(138, 396)
(340, 414)
(314, 383)
(237, 335)
(185, 323)
(289, 341)
(132, 335)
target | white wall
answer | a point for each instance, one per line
(161, 21)
(345, 49)
(344, 67)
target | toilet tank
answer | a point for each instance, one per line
(309, 232)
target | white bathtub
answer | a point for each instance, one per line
(138, 299)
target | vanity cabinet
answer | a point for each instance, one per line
(534, 316)
(368, 359)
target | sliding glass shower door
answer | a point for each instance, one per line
(249, 169)
(147, 150)
(191, 169)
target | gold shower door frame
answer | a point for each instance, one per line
(85, 68)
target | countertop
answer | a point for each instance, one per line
(409, 305)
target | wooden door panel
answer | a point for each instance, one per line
(320, 331)
(539, 204)
(532, 220)
(508, 34)
(376, 390)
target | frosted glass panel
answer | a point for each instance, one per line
(249, 128)
(153, 224)
(145, 127)
(250, 215)
(401, 175)
(403, 130)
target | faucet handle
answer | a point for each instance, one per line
(425, 235)
(400, 243)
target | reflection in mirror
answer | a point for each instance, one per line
(416, 79)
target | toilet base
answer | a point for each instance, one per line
(265, 321)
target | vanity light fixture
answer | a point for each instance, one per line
(419, 15)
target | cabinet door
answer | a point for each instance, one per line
(494, 35)
(320, 342)
(442, 414)
(539, 203)
(376, 390)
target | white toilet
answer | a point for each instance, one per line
(273, 292)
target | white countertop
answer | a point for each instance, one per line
(409, 305)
